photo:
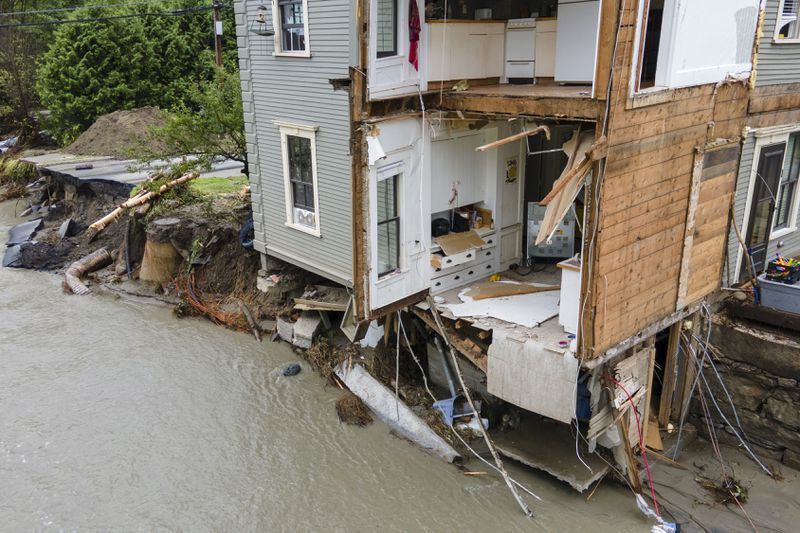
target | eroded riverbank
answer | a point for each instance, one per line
(117, 416)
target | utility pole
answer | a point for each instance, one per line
(216, 5)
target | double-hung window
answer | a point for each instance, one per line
(787, 190)
(388, 220)
(291, 23)
(386, 38)
(298, 147)
(787, 26)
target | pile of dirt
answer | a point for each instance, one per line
(352, 411)
(121, 134)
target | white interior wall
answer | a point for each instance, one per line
(703, 42)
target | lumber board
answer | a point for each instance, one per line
(776, 102)
(605, 46)
(641, 232)
(656, 143)
(713, 188)
(641, 249)
(647, 176)
(762, 120)
(628, 284)
(670, 370)
(634, 163)
(635, 268)
(653, 213)
(661, 126)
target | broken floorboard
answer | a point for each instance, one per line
(550, 446)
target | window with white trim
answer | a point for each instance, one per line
(787, 26)
(785, 215)
(299, 151)
(386, 38)
(388, 220)
(291, 27)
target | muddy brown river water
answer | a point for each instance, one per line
(114, 415)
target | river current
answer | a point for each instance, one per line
(116, 416)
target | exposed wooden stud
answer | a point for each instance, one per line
(668, 384)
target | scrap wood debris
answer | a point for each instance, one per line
(726, 490)
(352, 411)
(208, 305)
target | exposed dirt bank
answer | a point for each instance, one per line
(120, 133)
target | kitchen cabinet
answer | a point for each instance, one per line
(545, 64)
(465, 50)
(576, 40)
(456, 165)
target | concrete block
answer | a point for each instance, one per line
(791, 459)
(285, 329)
(306, 328)
(265, 284)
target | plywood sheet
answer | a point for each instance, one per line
(527, 310)
(530, 376)
(498, 289)
(453, 243)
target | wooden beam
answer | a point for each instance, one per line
(515, 137)
(668, 386)
(455, 341)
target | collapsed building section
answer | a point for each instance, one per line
(556, 188)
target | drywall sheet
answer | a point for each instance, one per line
(530, 376)
(527, 310)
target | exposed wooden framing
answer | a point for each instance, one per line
(554, 107)
(649, 331)
(359, 108)
(633, 467)
(515, 137)
(688, 237)
(587, 309)
(644, 419)
(455, 341)
(399, 304)
(686, 373)
(609, 20)
(668, 386)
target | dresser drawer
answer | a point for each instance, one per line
(449, 281)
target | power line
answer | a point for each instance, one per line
(74, 8)
(174, 13)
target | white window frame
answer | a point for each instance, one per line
(308, 132)
(276, 22)
(791, 227)
(776, 36)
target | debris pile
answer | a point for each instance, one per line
(121, 134)
(352, 411)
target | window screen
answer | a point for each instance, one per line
(388, 226)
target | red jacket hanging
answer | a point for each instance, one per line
(413, 33)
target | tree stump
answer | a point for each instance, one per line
(161, 259)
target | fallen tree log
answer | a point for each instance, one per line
(140, 198)
(81, 267)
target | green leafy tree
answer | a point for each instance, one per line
(209, 125)
(19, 49)
(97, 67)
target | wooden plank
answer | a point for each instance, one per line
(647, 176)
(661, 126)
(645, 420)
(670, 369)
(714, 188)
(641, 249)
(632, 164)
(777, 102)
(576, 108)
(607, 34)
(688, 239)
(634, 268)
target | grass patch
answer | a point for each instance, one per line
(216, 186)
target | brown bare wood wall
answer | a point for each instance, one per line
(645, 199)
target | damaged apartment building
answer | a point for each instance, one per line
(548, 184)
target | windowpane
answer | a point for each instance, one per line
(388, 226)
(789, 176)
(301, 173)
(293, 37)
(387, 28)
(299, 158)
(387, 202)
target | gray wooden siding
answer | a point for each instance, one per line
(777, 62)
(297, 90)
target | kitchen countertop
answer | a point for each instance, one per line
(465, 21)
